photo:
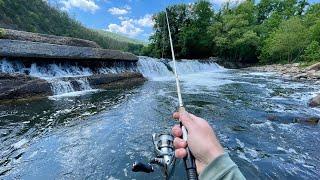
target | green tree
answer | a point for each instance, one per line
(286, 43)
(235, 36)
(194, 36)
(312, 52)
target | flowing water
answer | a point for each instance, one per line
(98, 134)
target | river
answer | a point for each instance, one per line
(98, 134)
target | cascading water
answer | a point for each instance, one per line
(60, 87)
(84, 84)
(155, 68)
(60, 76)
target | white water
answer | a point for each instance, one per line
(60, 76)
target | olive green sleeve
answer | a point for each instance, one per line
(222, 168)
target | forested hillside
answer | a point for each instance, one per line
(38, 16)
(268, 31)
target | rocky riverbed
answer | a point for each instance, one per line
(297, 73)
(293, 71)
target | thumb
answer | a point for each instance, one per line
(186, 120)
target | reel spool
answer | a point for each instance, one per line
(163, 144)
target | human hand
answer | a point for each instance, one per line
(201, 141)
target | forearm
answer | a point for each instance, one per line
(222, 168)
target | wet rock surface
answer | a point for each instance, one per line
(45, 38)
(287, 119)
(314, 102)
(106, 81)
(16, 86)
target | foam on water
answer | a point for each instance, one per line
(154, 69)
(73, 94)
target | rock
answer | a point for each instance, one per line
(106, 81)
(310, 120)
(16, 86)
(300, 76)
(315, 67)
(238, 128)
(315, 101)
(27, 49)
(44, 38)
(296, 64)
(289, 118)
(19, 86)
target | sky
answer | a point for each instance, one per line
(132, 18)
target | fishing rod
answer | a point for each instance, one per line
(163, 142)
(189, 160)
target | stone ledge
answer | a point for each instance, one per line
(27, 49)
(45, 38)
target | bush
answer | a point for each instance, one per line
(312, 52)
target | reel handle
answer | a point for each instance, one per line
(189, 160)
(141, 167)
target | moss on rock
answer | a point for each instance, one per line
(2, 33)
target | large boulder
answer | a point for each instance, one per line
(45, 38)
(106, 81)
(33, 50)
(17, 86)
(315, 101)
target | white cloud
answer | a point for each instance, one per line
(86, 5)
(219, 2)
(131, 27)
(119, 11)
(126, 27)
(145, 21)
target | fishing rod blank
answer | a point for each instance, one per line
(189, 160)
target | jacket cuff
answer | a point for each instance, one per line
(218, 168)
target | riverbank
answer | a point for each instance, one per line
(293, 71)
(297, 73)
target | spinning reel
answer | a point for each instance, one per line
(163, 144)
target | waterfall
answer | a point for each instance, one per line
(61, 87)
(196, 66)
(154, 68)
(63, 78)
(84, 84)
(67, 78)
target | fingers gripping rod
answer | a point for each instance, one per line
(189, 160)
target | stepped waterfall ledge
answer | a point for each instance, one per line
(71, 78)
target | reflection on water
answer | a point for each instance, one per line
(99, 135)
